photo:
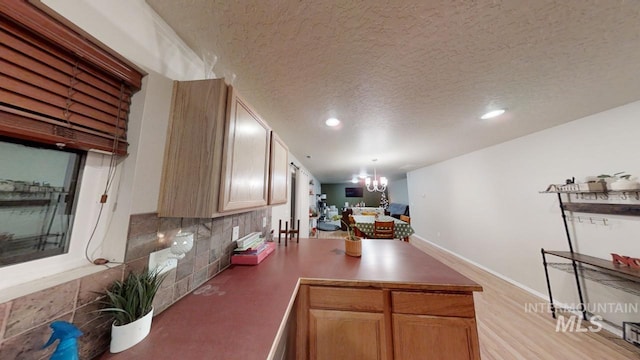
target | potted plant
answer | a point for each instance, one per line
(619, 181)
(352, 243)
(129, 302)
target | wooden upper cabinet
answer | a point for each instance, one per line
(217, 155)
(278, 171)
(190, 181)
(245, 165)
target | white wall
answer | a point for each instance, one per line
(151, 142)
(486, 206)
(132, 29)
(399, 191)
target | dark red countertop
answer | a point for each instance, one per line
(237, 314)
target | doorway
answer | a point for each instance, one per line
(293, 190)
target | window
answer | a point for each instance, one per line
(59, 88)
(37, 200)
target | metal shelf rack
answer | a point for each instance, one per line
(624, 275)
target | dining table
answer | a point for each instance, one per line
(365, 223)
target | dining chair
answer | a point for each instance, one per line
(354, 228)
(406, 219)
(383, 229)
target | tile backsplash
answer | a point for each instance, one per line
(24, 322)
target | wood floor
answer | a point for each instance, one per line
(506, 331)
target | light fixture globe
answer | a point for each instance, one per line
(378, 184)
(182, 243)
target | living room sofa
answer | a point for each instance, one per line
(397, 209)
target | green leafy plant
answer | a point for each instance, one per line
(350, 234)
(131, 299)
(619, 175)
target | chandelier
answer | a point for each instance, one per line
(376, 185)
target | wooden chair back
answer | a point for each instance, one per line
(354, 228)
(383, 229)
(405, 218)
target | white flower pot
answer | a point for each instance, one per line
(125, 336)
(623, 184)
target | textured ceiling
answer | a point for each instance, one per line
(410, 79)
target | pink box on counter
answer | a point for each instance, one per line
(253, 259)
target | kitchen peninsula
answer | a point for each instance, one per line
(310, 300)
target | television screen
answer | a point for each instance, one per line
(353, 192)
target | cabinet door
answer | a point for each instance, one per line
(278, 171)
(245, 167)
(346, 335)
(423, 337)
(190, 181)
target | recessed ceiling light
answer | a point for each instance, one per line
(332, 122)
(492, 114)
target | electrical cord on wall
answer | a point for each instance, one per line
(86, 249)
(103, 200)
(110, 177)
(116, 139)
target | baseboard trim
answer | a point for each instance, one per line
(542, 296)
(492, 272)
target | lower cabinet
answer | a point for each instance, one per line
(430, 337)
(346, 335)
(354, 323)
(434, 325)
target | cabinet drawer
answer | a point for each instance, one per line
(345, 299)
(458, 305)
